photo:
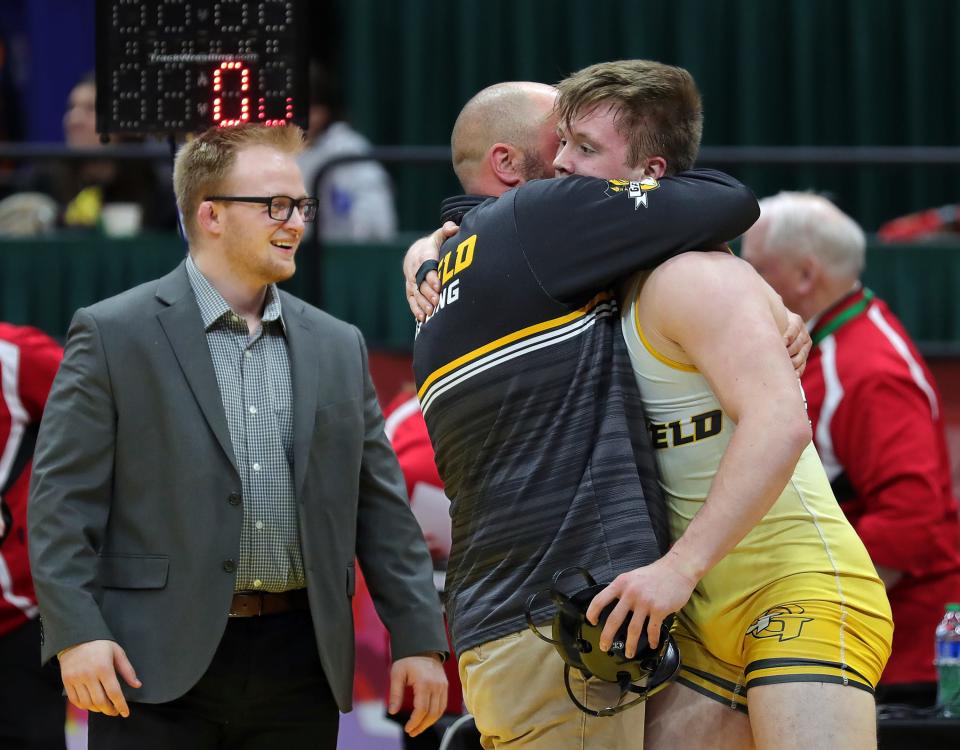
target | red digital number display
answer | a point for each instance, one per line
(264, 120)
(179, 66)
(231, 94)
(230, 103)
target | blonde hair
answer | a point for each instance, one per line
(658, 107)
(203, 163)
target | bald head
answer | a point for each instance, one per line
(515, 115)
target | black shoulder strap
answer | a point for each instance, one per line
(24, 454)
(20, 461)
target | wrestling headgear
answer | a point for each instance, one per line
(578, 643)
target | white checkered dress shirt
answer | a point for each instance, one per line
(253, 372)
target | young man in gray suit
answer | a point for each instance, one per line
(210, 463)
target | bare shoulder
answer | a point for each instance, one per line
(694, 280)
(696, 292)
(714, 270)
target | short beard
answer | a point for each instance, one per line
(532, 168)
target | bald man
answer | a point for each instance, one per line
(530, 402)
(505, 135)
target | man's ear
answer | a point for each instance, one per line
(504, 161)
(809, 272)
(655, 167)
(210, 218)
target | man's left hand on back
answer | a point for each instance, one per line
(423, 297)
(798, 342)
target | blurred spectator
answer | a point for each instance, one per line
(356, 198)
(27, 214)
(32, 706)
(10, 110)
(877, 421)
(931, 224)
(10, 126)
(81, 189)
(407, 432)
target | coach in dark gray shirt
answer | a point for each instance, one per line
(210, 464)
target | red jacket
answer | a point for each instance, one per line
(407, 432)
(28, 363)
(878, 426)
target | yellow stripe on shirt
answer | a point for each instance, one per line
(509, 339)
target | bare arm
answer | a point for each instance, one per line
(735, 341)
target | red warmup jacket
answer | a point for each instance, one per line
(878, 426)
(28, 363)
(407, 432)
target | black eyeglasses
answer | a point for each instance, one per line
(280, 206)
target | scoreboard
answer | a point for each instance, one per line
(182, 66)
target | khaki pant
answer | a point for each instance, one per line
(514, 688)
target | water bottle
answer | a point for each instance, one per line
(948, 662)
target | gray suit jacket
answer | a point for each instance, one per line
(135, 512)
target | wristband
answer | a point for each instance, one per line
(426, 267)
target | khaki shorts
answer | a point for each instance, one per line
(774, 638)
(514, 688)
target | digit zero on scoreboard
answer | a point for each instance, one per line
(181, 66)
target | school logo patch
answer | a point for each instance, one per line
(783, 622)
(635, 189)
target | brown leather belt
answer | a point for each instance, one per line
(253, 603)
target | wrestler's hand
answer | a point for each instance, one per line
(425, 675)
(653, 591)
(89, 673)
(798, 342)
(424, 297)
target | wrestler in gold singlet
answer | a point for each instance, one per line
(798, 599)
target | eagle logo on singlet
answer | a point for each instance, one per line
(636, 189)
(783, 622)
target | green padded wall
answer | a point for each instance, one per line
(772, 72)
(44, 280)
